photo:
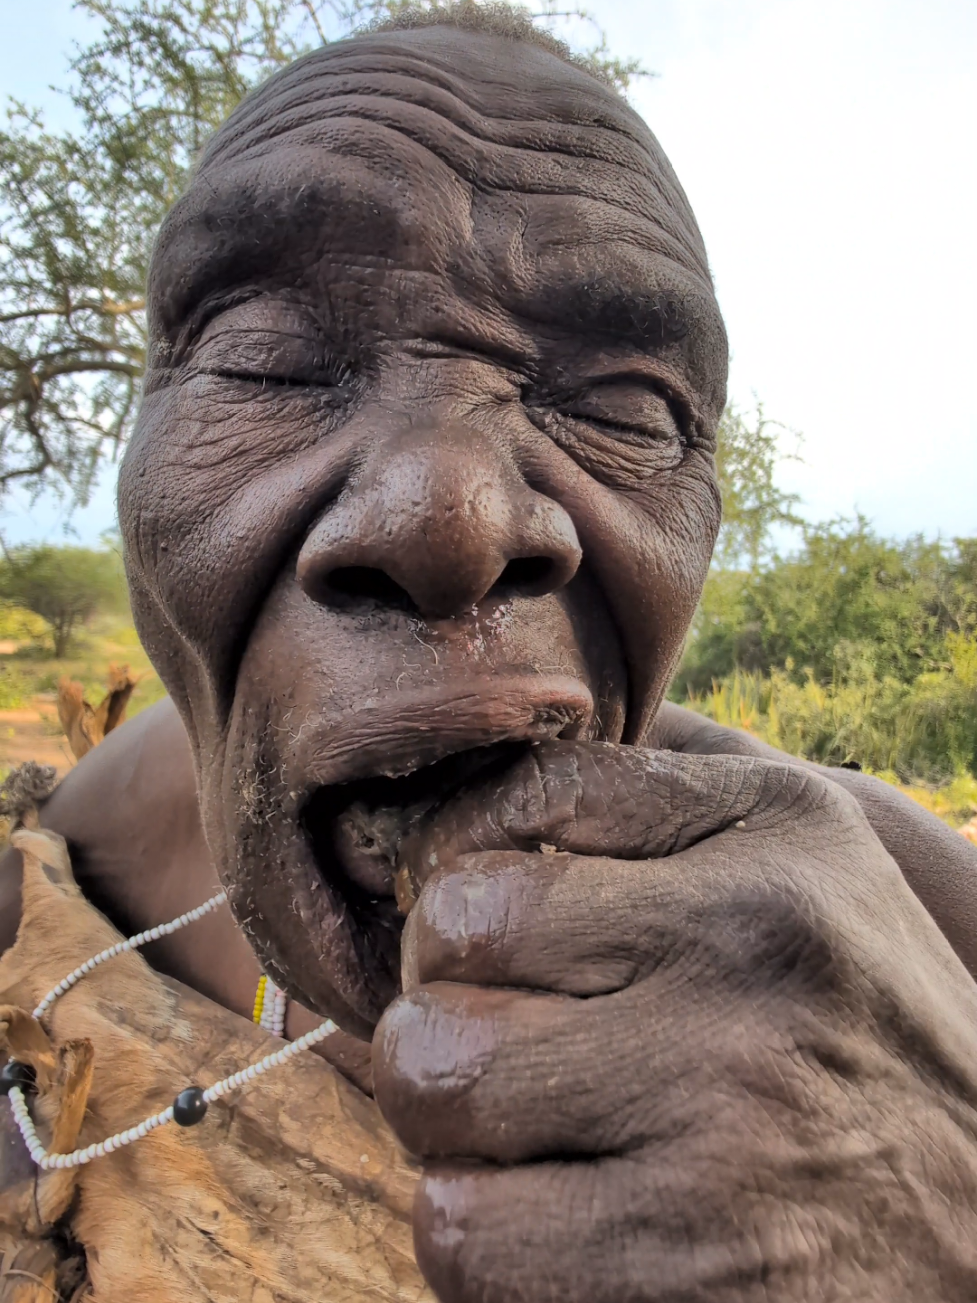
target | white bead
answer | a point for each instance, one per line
(276, 1005)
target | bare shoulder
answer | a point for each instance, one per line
(939, 865)
(119, 794)
(128, 811)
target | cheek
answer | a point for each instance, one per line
(199, 444)
(677, 519)
(211, 503)
(648, 544)
(683, 513)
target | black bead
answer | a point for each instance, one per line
(189, 1107)
(17, 1074)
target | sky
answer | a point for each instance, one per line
(828, 148)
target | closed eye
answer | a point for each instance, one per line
(269, 345)
(624, 407)
(270, 380)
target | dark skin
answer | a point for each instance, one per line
(424, 466)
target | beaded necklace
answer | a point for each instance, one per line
(270, 1005)
(17, 1080)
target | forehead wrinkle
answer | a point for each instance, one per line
(478, 148)
(366, 64)
(297, 102)
(492, 169)
(582, 138)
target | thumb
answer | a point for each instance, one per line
(595, 798)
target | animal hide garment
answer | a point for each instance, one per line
(292, 1190)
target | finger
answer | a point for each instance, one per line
(569, 924)
(677, 728)
(585, 1232)
(463, 1072)
(510, 1076)
(598, 799)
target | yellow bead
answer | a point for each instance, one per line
(259, 999)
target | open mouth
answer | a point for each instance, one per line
(318, 885)
(356, 829)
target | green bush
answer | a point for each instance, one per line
(845, 589)
(855, 649)
(922, 731)
(20, 625)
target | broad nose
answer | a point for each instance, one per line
(442, 520)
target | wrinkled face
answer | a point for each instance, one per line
(423, 471)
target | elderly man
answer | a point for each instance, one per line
(416, 515)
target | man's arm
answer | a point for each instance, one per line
(939, 865)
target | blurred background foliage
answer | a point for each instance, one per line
(844, 647)
(63, 587)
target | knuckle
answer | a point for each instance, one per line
(431, 1049)
(760, 939)
(453, 1237)
(549, 790)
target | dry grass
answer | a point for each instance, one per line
(834, 724)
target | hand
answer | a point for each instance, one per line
(714, 1048)
(939, 865)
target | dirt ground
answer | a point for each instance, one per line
(29, 675)
(33, 733)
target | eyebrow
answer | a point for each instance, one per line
(235, 235)
(644, 319)
(227, 236)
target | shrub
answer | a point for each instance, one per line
(924, 731)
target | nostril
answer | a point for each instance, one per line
(526, 574)
(366, 583)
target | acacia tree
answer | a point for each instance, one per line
(78, 210)
(748, 456)
(63, 585)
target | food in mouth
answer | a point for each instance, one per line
(358, 828)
